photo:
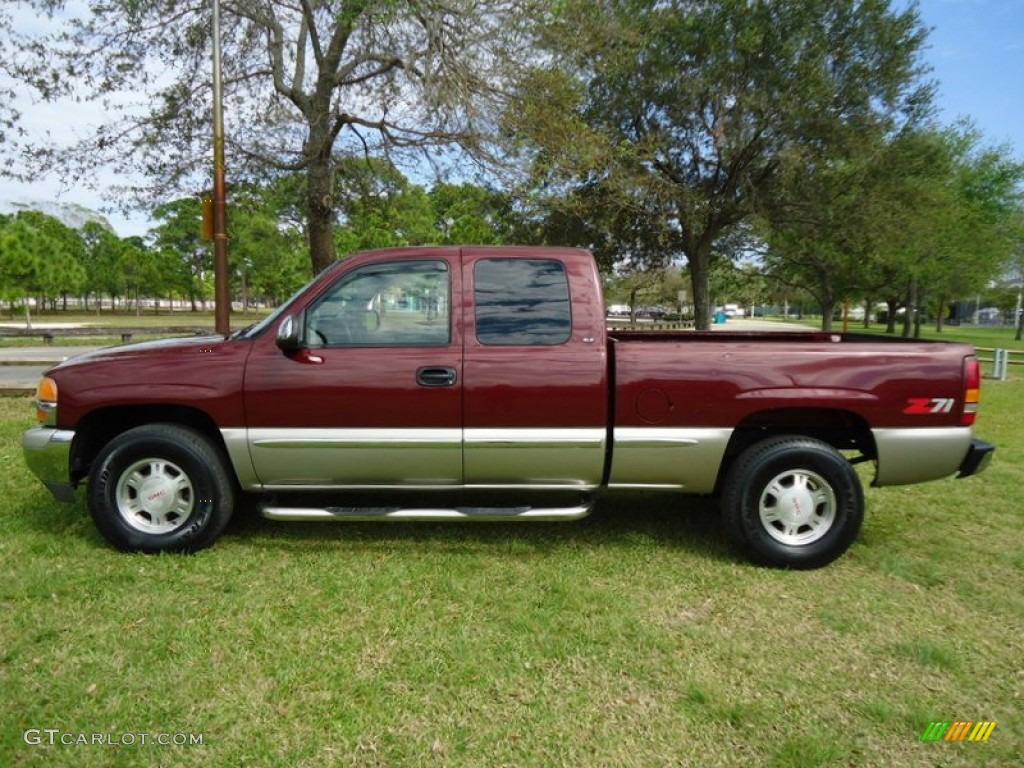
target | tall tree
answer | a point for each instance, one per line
(140, 267)
(20, 264)
(40, 257)
(61, 253)
(268, 253)
(187, 257)
(692, 110)
(306, 84)
(102, 263)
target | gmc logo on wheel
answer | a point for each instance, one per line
(919, 406)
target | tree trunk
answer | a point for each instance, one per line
(320, 210)
(826, 315)
(699, 260)
(892, 307)
(908, 318)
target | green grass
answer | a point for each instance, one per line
(979, 336)
(632, 638)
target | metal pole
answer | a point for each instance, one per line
(222, 287)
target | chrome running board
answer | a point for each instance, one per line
(398, 514)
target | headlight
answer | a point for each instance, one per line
(46, 402)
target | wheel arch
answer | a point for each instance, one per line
(99, 427)
(842, 429)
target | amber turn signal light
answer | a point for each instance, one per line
(46, 401)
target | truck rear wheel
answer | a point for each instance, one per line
(792, 502)
(160, 488)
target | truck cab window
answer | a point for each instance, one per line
(521, 302)
(394, 304)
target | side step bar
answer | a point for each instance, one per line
(374, 514)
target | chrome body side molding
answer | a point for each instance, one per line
(917, 454)
(685, 458)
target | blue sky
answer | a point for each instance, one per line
(975, 50)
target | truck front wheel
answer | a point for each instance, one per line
(792, 502)
(160, 488)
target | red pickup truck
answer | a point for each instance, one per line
(447, 371)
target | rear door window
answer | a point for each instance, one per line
(521, 302)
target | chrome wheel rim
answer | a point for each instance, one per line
(154, 496)
(797, 507)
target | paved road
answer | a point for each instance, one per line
(21, 367)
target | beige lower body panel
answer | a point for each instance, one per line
(916, 455)
(314, 459)
(682, 458)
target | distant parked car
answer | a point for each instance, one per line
(733, 310)
(618, 310)
(655, 312)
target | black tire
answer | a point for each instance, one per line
(792, 502)
(160, 488)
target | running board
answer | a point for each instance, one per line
(374, 514)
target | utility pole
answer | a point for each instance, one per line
(222, 286)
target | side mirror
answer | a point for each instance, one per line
(289, 334)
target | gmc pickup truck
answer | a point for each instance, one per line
(443, 372)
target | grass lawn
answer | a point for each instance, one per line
(632, 638)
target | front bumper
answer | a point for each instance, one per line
(977, 459)
(47, 452)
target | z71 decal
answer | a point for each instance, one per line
(919, 406)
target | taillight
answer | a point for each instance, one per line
(972, 390)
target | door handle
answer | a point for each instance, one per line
(436, 376)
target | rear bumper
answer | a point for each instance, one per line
(977, 459)
(47, 451)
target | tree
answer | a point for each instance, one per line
(470, 213)
(102, 268)
(269, 258)
(20, 263)
(60, 251)
(380, 207)
(692, 111)
(305, 85)
(186, 256)
(1015, 265)
(39, 256)
(831, 222)
(140, 268)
